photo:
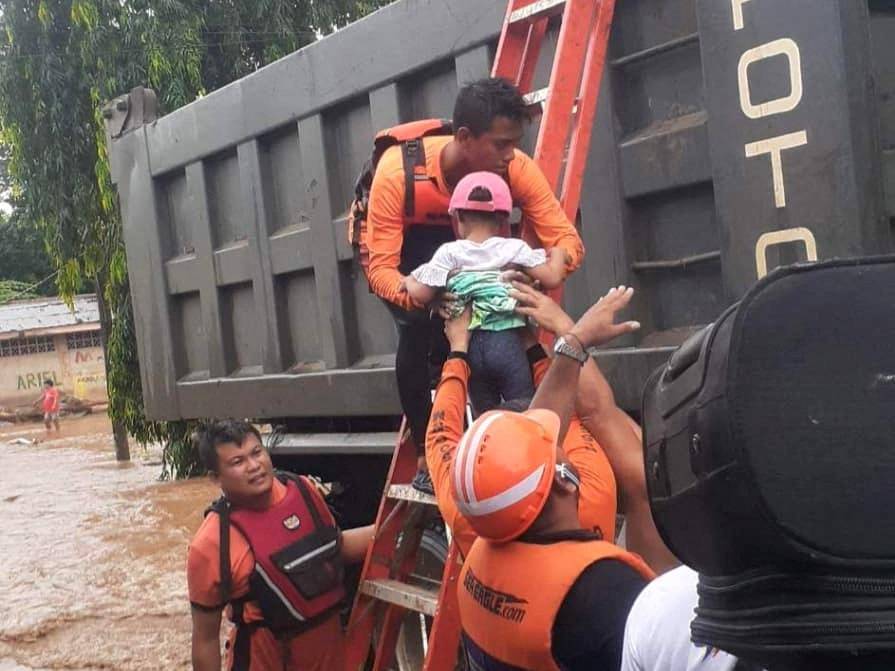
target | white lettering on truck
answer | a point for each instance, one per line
(738, 22)
(775, 146)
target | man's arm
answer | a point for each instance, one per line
(355, 543)
(206, 639)
(615, 432)
(446, 425)
(589, 628)
(542, 211)
(612, 428)
(596, 327)
(385, 236)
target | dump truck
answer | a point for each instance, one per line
(731, 136)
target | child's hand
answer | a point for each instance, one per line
(552, 273)
(447, 306)
(421, 294)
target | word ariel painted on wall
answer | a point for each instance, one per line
(35, 380)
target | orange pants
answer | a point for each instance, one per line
(318, 649)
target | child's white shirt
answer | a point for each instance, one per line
(492, 254)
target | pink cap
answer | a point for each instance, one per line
(501, 200)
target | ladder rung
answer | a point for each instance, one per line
(411, 597)
(536, 10)
(536, 97)
(408, 493)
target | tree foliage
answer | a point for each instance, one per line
(13, 290)
(23, 258)
(59, 60)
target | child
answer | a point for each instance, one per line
(471, 269)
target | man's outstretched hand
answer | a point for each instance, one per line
(456, 329)
(597, 326)
(540, 307)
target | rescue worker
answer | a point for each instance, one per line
(488, 123)
(537, 591)
(613, 429)
(601, 461)
(598, 496)
(271, 551)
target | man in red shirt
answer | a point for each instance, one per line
(49, 404)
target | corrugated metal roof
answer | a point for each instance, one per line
(47, 313)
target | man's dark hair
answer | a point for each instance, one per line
(219, 432)
(48, 383)
(480, 102)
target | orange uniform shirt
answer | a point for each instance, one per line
(597, 496)
(318, 649)
(547, 224)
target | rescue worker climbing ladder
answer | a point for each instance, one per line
(487, 125)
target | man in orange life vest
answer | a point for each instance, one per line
(488, 125)
(537, 592)
(597, 496)
(271, 550)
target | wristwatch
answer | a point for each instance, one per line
(570, 349)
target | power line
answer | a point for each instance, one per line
(28, 290)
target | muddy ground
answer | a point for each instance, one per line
(93, 552)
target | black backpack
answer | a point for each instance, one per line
(769, 447)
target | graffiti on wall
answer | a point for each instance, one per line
(88, 374)
(35, 380)
(86, 356)
(78, 372)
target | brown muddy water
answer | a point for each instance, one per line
(93, 553)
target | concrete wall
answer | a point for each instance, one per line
(77, 372)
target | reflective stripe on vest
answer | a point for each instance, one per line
(509, 595)
(297, 533)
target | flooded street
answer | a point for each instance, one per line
(93, 552)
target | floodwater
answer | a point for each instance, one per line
(93, 553)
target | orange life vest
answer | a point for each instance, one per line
(509, 595)
(424, 204)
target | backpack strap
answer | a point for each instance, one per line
(310, 503)
(223, 511)
(222, 507)
(414, 155)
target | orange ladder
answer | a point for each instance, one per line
(568, 105)
(569, 101)
(386, 592)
